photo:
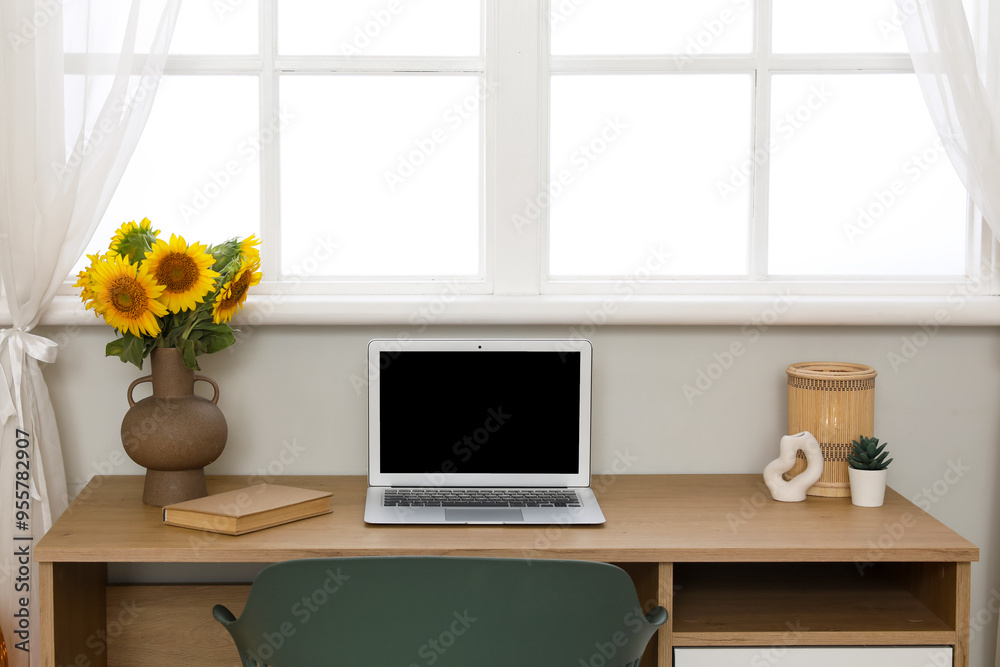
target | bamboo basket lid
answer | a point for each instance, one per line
(831, 375)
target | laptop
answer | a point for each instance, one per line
(479, 432)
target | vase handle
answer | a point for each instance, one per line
(148, 378)
(215, 399)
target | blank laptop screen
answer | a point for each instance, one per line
(513, 412)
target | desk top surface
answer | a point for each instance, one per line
(650, 518)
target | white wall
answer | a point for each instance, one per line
(290, 388)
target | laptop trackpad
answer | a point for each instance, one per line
(485, 515)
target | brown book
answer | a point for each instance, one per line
(248, 509)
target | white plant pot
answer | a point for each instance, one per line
(867, 487)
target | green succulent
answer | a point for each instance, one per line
(868, 455)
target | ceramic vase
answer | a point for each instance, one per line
(868, 487)
(794, 490)
(174, 433)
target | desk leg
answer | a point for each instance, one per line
(654, 586)
(945, 588)
(665, 656)
(963, 610)
(73, 614)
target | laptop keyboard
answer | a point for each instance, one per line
(480, 498)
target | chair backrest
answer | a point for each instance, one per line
(416, 611)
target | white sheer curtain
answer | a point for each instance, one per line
(65, 139)
(953, 76)
(953, 79)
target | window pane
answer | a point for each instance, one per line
(384, 168)
(213, 28)
(196, 170)
(379, 27)
(220, 27)
(860, 183)
(635, 166)
(845, 26)
(601, 27)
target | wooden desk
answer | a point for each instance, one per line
(733, 567)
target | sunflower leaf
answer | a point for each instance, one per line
(115, 348)
(189, 354)
(218, 341)
(133, 348)
(213, 337)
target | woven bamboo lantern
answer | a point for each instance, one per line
(836, 403)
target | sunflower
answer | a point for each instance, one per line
(249, 248)
(134, 240)
(85, 282)
(126, 296)
(183, 271)
(232, 295)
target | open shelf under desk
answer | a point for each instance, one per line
(806, 604)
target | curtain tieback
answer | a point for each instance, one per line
(20, 344)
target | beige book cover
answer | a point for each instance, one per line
(248, 509)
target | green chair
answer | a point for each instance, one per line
(416, 611)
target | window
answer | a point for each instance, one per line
(347, 135)
(757, 147)
(548, 148)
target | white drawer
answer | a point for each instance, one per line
(809, 656)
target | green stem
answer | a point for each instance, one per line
(193, 319)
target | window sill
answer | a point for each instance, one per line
(587, 311)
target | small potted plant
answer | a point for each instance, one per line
(868, 471)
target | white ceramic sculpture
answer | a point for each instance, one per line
(794, 490)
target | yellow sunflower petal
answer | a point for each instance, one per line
(125, 295)
(249, 248)
(183, 271)
(233, 294)
(85, 282)
(133, 240)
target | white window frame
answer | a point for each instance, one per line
(761, 65)
(514, 287)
